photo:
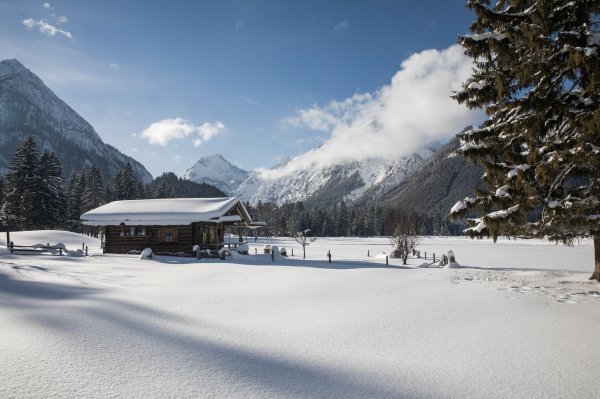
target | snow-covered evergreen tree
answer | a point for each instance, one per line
(164, 190)
(537, 75)
(24, 188)
(53, 199)
(94, 194)
(126, 185)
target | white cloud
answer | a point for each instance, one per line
(114, 66)
(47, 6)
(328, 117)
(61, 20)
(166, 130)
(207, 131)
(413, 110)
(29, 23)
(340, 26)
(163, 131)
(45, 27)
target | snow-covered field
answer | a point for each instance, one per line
(519, 320)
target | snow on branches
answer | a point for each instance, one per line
(537, 75)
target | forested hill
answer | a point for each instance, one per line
(168, 185)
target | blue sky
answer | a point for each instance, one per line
(170, 81)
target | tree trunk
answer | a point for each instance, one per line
(303, 252)
(596, 274)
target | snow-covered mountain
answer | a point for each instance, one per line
(218, 172)
(29, 108)
(314, 185)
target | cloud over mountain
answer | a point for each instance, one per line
(414, 109)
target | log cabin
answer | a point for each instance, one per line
(169, 226)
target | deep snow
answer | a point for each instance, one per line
(519, 319)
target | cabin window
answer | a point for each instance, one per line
(136, 231)
(168, 235)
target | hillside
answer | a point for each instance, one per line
(435, 186)
(29, 108)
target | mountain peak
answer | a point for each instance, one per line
(215, 157)
(216, 171)
(12, 66)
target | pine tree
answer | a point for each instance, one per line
(164, 190)
(125, 184)
(75, 192)
(94, 194)
(537, 75)
(52, 201)
(24, 188)
(343, 222)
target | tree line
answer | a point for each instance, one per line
(345, 220)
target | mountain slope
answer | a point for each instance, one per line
(435, 186)
(321, 187)
(29, 108)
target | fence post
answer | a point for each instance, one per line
(12, 246)
(82, 246)
(425, 254)
(368, 253)
(86, 250)
(434, 257)
(386, 260)
(329, 255)
(255, 251)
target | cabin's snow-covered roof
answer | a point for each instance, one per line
(169, 211)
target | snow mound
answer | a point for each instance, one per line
(452, 265)
(243, 249)
(146, 254)
(75, 254)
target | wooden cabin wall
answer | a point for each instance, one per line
(186, 237)
(117, 244)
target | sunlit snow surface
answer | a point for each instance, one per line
(518, 320)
